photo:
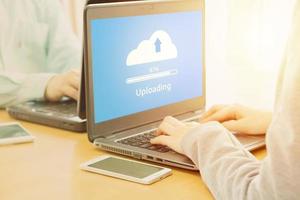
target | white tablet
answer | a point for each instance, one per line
(12, 133)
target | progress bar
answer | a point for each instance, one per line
(138, 79)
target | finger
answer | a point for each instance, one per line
(169, 126)
(237, 126)
(73, 81)
(71, 92)
(165, 122)
(241, 126)
(191, 124)
(173, 121)
(232, 125)
(211, 111)
(162, 140)
(224, 114)
(165, 128)
(167, 141)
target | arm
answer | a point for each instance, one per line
(230, 171)
(226, 168)
(15, 88)
(18, 87)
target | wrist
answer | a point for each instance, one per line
(48, 92)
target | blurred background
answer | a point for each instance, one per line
(245, 41)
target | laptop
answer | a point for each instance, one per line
(66, 114)
(145, 60)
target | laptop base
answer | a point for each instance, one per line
(39, 112)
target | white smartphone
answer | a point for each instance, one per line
(126, 169)
(11, 133)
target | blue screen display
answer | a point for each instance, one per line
(145, 62)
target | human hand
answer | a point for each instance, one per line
(66, 84)
(240, 119)
(171, 131)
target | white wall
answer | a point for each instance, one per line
(244, 44)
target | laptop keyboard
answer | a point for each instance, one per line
(143, 141)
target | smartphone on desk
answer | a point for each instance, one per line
(126, 169)
(12, 133)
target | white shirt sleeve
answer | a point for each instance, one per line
(230, 171)
(16, 87)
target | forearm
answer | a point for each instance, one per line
(229, 171)
(15, 88)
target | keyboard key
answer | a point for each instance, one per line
(136, 144)
(143, 141)
(164, 150)
(152, 147)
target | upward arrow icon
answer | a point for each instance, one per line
(157, 46)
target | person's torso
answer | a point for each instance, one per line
(23, 36)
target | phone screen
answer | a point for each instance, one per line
(125, 167)
(12, 131)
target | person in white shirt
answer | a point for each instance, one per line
(40, 56)
(230, 171)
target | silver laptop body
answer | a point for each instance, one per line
(118, 120)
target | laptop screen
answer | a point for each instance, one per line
(145, 62)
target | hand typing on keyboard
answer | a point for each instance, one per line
(143, 141)
(60, 85)
(171, 132)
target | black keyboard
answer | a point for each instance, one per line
(143, 141)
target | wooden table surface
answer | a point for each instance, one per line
(48, 168)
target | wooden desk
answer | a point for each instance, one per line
(49, 169)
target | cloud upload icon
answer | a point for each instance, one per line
(158, 48)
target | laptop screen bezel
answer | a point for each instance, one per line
(136, 8)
